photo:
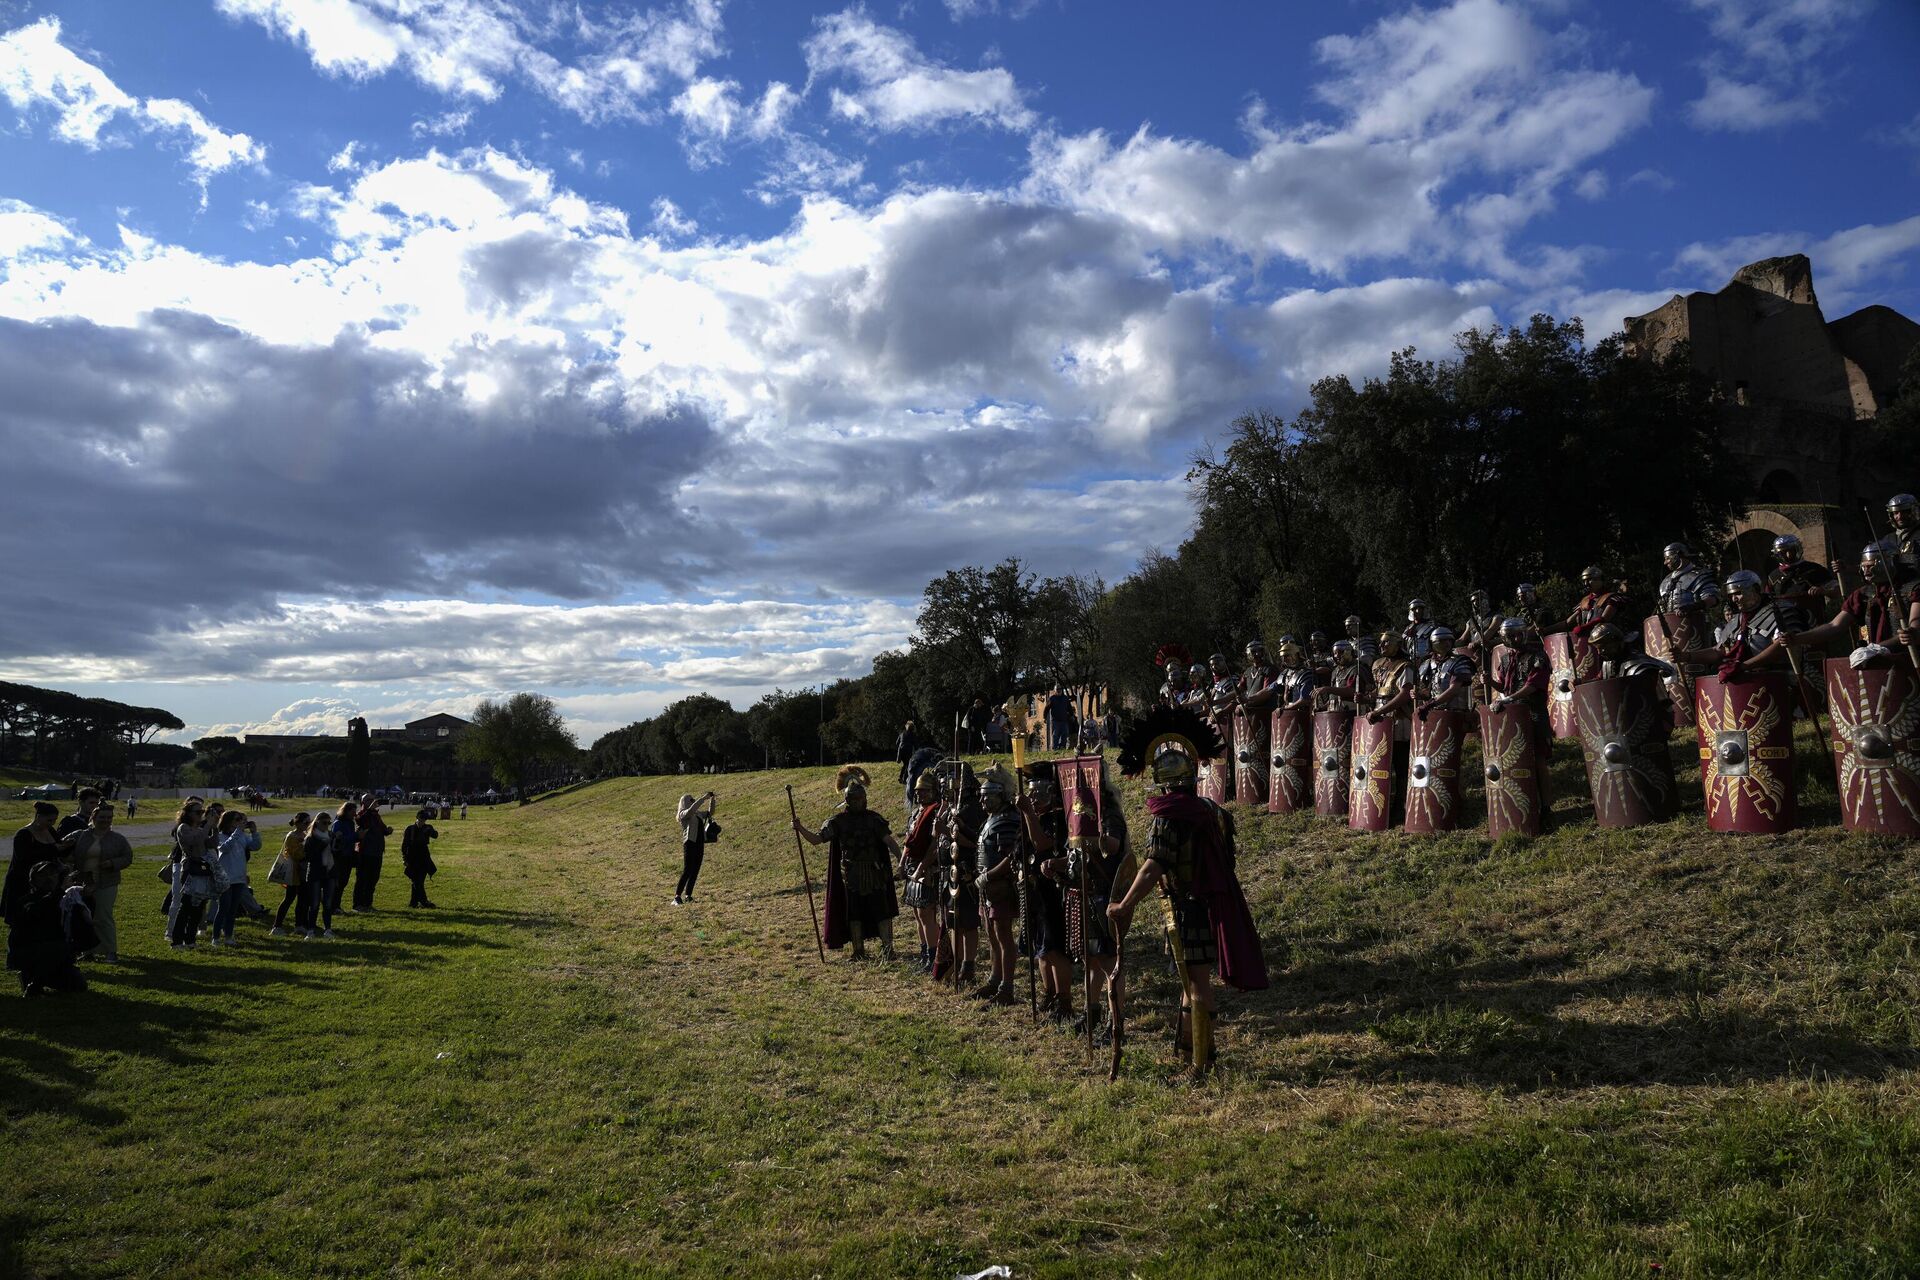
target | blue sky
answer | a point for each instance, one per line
(411, 350)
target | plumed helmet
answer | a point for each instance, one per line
(1743, 580)
(851, 775)
(1678, 550)
(999, 781)
(1902, 502)
(1787, 542)
(1171, 741)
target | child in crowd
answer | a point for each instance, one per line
(38, 943)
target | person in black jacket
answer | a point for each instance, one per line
(37, 942)
(416, 856)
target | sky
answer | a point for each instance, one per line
(375, 356)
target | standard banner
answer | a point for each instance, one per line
(1876, 746)
(1370, 774)
(1434, 794)
(1510, 759)
(1746, 751)
(1080, 795)
(1688, 629)
(1571, 662)
(1623, 734)
(1332, 743)
(1216, 776)
(1250, 756)
(1292, 776)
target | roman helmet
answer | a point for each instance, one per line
(1787, 548)
(1740, 584)
(1676, 555)
(1513, 630)
(1442, 640)
(1607, 640)
(1592, 578)
(1904, 510)
(1345, 652)
(1168, 743)
(1416, 610)
(1354, 625)
(998, 786)
(852, 782)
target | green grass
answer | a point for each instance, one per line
(1578, 1055)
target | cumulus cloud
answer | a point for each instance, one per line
(473, 48)
(40, 75)
(896, 87)
(712, 114)
(1768, 68)
(1428, 100)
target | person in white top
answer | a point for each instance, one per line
(238, 838)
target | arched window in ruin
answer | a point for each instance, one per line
(1781, 485)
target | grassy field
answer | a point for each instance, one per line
(1587, 1054)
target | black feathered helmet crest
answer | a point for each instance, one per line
(1170, 741)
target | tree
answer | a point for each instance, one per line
(515, 738)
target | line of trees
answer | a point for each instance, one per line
(57, 731)
(1526, 456)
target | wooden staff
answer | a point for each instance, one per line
(806, 877)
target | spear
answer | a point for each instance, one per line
(1893, 592)
(806, 877)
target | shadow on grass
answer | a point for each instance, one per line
(1496, 1023)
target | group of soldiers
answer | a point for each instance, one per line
(1603, 674)
(1040, 855)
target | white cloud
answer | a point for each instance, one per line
(896, 87)
(38, 72)
(712, 114)
(342, 161)
(669, 221)
(1844, 262)
(472, 48)
(1592, 185)
(444, 125)
(1769, 68)
(25, 230)
(1467, 99)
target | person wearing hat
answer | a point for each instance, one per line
(1752, 633)
(1445, 682)
(1873, 614)
(1417, 636)
(1686, 583)
(1809, 587)
(1000, 848)
(1349, 685)
(1366, 646)
(1618, 659)
(861, 856)
(1604, 601)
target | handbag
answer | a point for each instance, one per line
(282, 872)
(710, 832)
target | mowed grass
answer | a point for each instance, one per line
(1585, 1054)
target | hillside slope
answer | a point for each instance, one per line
(1583, 1054)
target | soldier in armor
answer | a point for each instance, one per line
(920, 866)
(1446, 677)
(1527, 604)
(1190, 857)
(1198, 688)
(1173, 690)
(1902, 544)
(1811, 588)
(1873, 614)
(1686, 583)
(1604, 601)
(1750, 636)
(1419, 631)
(1258, 675)
(1293, 684)
(1479, 632)
(1104, 864)
(1319, 653)
(1617, 659)
(1364, 643)
(1349, 686)
(1522, 674)
(959, 851)
(864, 851)
(1394, 678)
(1047, 912)
(1001, 852)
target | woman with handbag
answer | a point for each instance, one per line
(193, 875)
(288, 871)
(694, 834)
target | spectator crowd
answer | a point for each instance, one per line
(63, 883)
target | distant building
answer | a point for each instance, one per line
(1795, 388)
(419, 756)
